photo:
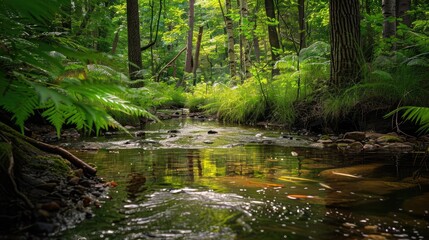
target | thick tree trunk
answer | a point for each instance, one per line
(197, 53)
(188, 63)
(134, 54)
(272, 34)
(345, 42)
(402, 7)
(389, 13)
(230, 35)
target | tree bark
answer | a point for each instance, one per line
(230, 35)
(134, 54)
(345, 42)
(301, 21)
(272, 34)
(368, 39)
(389, 13)
(188, 63)
(402, 7)
(245, 56)
(115, 41)
(197, 54)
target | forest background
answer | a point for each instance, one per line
(325, 65)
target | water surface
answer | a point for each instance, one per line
(242, 186)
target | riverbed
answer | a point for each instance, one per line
(191, 179)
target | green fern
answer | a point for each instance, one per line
(418, 115)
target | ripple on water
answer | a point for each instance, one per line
(187, 213)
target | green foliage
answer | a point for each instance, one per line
(418, 115)
(157, 95)
(45, 71)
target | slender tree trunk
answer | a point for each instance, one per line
(301, 21)
(389, 13)
(188, 63)
(115, 41)
(245, 57)
(272, 34)
(134, 54)
(402, 7)
(197, 53)
(89, 10)
(345, 42)
(368, 39)
(230, 34)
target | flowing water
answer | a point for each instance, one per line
(245, 183)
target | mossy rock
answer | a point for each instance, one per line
(389, 139)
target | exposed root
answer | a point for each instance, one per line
(12, 178)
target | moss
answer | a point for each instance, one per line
(50, 164)
(389, 139)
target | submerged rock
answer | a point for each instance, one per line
(351, 173)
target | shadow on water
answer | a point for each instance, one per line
(255, 191)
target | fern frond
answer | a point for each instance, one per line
(55, 115)
(418, 115)
(19, 99)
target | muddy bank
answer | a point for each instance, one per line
(42, 193)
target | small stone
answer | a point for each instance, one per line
(356, 146)
(173, 131)
(349, 225)
(74, 180)
(317, 145)
(208, 142)
(368, 147)
(345, 140)
(399, 147)
(358, 136)
(325, 141)
(212, 132)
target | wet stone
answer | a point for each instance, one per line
(357, 136)
(389, 139)
(212, 132)
(74, 180)
(345, 140)
(399, 147)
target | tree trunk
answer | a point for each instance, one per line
(272, 34)
(188, 63)
(245, 56)
(230, 35)
(402, 7)
(368, 39)
(134, 54)
(197, 53)
(389, 13)
(345, 42)
(301, 21)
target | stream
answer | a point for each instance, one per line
(180, 181)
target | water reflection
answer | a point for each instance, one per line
(249, 192)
